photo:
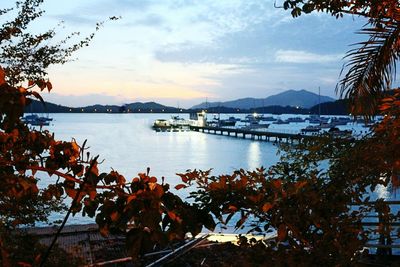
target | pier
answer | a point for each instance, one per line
(252, 134)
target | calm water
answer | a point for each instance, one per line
(127, 144)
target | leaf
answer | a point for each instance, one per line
(130, 198)
(232, 208)
(49, 86)
(266, 207)
(282, 233)
(277, 184)
(94, 169)
(104, 231)
(172, 215)
(114, 216)
(180, 186)
(2, 76)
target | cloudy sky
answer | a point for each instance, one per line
(180, 52)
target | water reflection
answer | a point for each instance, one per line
(254, 155)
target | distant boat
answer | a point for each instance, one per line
(255, 126)
(316, 119)
(279, 121)
(311, 129)
(340, 120)
(295, 119)
(336, 132)
(269, 118)
(36, 120)
(252, 118)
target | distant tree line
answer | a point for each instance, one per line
(338, 107)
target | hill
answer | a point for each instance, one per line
(37, 107)
(294, 98)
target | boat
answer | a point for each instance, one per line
(316, 119)
(340, 120)
(311, 129)
(269, 118)
(279, 121)
(295, 119)
(161, 123)
(255, 126)
(227, 122)
(36, 120)
(176, 123)
(253, 117)
(336, 132)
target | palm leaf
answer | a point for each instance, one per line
(371, 68)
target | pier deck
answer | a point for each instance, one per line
(253, 134)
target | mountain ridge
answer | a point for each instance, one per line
(295, 98)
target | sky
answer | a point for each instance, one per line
(182, 52)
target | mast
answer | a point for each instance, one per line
(319, 101)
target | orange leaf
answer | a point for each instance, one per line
(277, 184)
(266, 207)
(152, 186)
(31, 83)
(180, 186)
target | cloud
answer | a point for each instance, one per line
(299, 56)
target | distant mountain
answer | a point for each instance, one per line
(299, 98)
(38, 107)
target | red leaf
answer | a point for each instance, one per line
(2, 76)
(282, 232)
(180, 186)
(49, 86)
(172, 215)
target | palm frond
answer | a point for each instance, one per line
(371, 69)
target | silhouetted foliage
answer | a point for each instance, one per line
(371, 68)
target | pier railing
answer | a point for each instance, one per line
(382, 225)
(255, 134)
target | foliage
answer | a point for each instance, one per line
(311, 208)
(372, 64)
